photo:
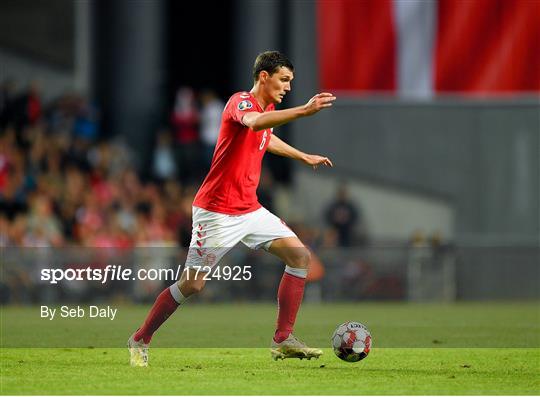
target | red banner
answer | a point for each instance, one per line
(484, 47)
(488, 46)
(356, 45)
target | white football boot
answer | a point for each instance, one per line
(138, 352)
(293, 348)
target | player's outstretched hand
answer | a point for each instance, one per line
(318, 102)
(315, 160)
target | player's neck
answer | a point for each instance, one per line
(257, 92)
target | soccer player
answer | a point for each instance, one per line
(226, 210)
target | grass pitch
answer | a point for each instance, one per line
(419, 349)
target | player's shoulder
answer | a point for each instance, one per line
(242, 95)
(242, 100)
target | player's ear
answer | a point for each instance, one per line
(263, 76)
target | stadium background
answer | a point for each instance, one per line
(435, 135)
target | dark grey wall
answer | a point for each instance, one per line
(483, 156)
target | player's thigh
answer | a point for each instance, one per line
(213, 235)
(263, 228)
(291, 251)
(269, 232)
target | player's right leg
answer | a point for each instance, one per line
(191, 282)
(208, 233)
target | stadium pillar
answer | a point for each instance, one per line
(130, 71)
(256, 29)
(82, 73)
(261, 26)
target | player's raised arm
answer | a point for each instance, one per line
(281, 148)
(260, 121)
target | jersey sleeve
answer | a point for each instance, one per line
(240, 104)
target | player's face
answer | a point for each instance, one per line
(279, 83)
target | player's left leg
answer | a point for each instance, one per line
(291, 288)
(213, 235)
(290, 293)
(269, 232)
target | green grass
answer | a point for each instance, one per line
(250, 371)
(251, 325)
(480, 348)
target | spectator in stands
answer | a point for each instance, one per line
(7, 102)
(86, 119)
(12, 202)
(61, 114)
(185, 125)
(343, 216)
(211, 110)
(28, 107)
(164, 166)
(13, 194)
(43, 226)
(176, 217)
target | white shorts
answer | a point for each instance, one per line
(214, 234)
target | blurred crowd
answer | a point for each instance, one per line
(61, 183)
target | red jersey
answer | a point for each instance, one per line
(231, 184)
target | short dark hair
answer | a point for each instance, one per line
(270, 61)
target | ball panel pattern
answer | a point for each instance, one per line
(351, 341)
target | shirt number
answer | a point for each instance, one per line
(263, 140)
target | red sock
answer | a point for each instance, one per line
(290, 293)
(164, 306)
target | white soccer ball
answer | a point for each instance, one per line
(351, 341)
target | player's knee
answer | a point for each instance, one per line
(300, 258)
(191, 287)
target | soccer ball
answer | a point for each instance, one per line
(351, 341)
